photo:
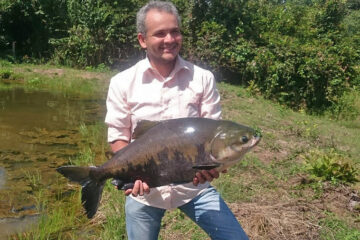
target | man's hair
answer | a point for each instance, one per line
(158, 5)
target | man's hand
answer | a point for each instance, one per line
(139, 188)
(206, 175)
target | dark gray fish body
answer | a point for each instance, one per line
(170, 151)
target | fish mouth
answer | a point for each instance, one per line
(255, 141)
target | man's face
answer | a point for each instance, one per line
(163, 38)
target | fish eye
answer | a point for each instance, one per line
(244, 139)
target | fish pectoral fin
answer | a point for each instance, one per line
(206, 166)
(120, 185)
(127, 186)
(142, 126)
(117, 183)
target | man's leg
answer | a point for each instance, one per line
(212, 214)
(142, 222)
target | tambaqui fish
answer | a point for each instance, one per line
(165, 152)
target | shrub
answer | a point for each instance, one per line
(331, 166)
(5, 73)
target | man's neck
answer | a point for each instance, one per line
(164, 68)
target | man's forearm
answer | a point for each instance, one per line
(117, 145)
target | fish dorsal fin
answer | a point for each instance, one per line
(143, 126)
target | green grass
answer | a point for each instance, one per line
(66, 81)
(114, 210)
(335, 228)
(274, 193)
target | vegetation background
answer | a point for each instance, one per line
(290, 67)
(302, 53)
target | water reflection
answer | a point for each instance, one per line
(38, 132)
(9, 226)
(2, 177)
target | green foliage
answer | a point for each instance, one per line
(334, 228)
(301, 53)
(331, 14)
(331, 166)
(114, 227)
(298, 67)
(5, 73)
(102, 32)
(29, 24)
(346, 107)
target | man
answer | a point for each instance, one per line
(160, 87)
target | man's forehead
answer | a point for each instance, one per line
(155, 15)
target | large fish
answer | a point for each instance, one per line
(165, 152)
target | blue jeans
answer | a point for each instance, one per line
(208, 210)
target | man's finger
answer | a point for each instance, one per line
(141, 189)
(128, 192)
(146, 187)
(207, 175)
(200, 177)
(136, 188)
(214, 173)
(195, 181)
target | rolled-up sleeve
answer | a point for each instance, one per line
(118, 117)
(210, 103)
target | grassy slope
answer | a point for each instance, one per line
(269, 191)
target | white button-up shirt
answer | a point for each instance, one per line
(141, 93)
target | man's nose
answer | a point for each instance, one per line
(169, 37)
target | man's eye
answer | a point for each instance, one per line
(160, 34)
(175, 32)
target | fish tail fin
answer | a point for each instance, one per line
(91, 195)
(77, 174)
(91, 188)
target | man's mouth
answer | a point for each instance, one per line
(169, 49)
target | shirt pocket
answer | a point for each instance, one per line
(187, 103)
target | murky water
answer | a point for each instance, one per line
(39, 131)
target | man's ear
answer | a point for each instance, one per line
(142, 40)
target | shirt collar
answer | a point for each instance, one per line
(179, 65)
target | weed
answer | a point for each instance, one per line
(34, 180)
(305, 129)
(4, 63)
(253, 88)
(5, 73)
(334, 228)
(114, 209)
(91, 134)
(346, 107)
(84, 158)
(318, 189)
(99, 68)
(330, 166)
(34, 82)
(177, 222)
(61, 217)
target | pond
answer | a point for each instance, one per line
(39, 131)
